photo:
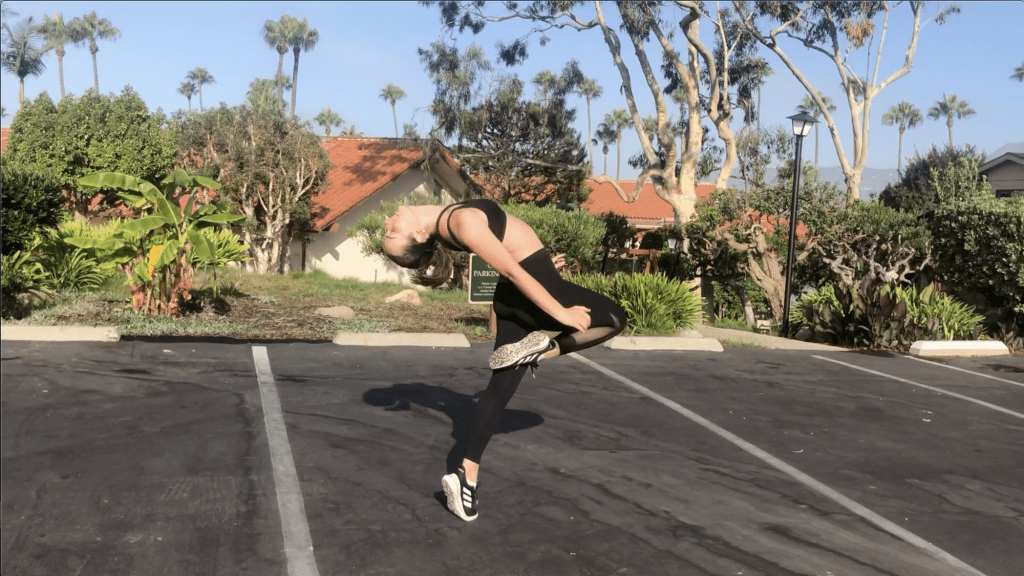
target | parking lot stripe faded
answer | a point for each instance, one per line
(926, 387)
(960, 566)
(989, 376)
(298, 544)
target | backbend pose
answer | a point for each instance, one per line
(530, 297)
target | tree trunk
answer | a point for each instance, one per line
(748, 306)
(295, 80)
(277, 79)
(899, 153)
(949, 124)
(394, 117)
(590, 137)
(60, 68)
(95, 69)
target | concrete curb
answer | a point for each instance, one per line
(765, 340)
(11, 332)
(948, 348)
(664, 343)
(401, 339)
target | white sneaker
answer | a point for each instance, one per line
(527, 351)
(462, 499)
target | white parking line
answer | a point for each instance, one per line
(812, 484)
(967, 371)
(926, 387)
(298, 544)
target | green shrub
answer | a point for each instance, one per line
(886, 316)
(19, 274)
(979, 248)
(31, 202)
(576, 233)
(729, 305)
(67, 267)
(654, 304)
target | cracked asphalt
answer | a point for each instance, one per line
(152, 458)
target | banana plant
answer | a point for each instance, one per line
(156, 250)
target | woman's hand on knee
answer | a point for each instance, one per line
(577, 317)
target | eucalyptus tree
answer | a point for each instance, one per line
(188, 90)
(328, 118)
(90, 29)
(810, 106)
(58, 34)
(301, 38)
(842, 33)
(904, 116)
(950, 107)
(589, 89)
(200, 76)
(392, 94)
(671, 30)
(23, 52)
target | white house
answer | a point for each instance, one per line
(1005, 174)
(364, 173)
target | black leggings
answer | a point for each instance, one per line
(517, 316)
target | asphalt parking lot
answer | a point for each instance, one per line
(200, 458)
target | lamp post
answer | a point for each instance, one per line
(673, 242)
(802, 124)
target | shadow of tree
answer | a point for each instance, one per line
(458, 407)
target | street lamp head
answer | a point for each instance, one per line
(673, 239)
(802, 123)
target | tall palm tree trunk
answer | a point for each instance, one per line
(590, 132)
(200, 97)
(949, 123)
(295, 80)
(899, 152)
(815, 149)
(95, 69)
(280, 85)
(394, 117)
(618, 154)
(60, 68)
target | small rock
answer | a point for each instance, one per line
(339, 312)
(409, 296)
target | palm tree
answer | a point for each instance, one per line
(950, 106)
(809, 106)
(589, 89)
(351, 131)
(547, 83)
(606, 137)
(57, 34)
(302, 38)
(617, 121)
(276, 35)
(392, 94)
(188, 90)
(904, 115)
(1018, 73)
(90, 29)
(328, 118)
(200, 76)
(23, 52)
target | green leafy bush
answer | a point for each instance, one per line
(31, 202)
(654, 304)
(979, 248)
(886, 316)
(156, 251)
(66, 267)
(576, 233)
(19, 274)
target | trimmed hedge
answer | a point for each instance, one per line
(31, 202)
(576, 233)
(979, 248)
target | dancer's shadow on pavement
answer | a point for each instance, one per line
(458, 407)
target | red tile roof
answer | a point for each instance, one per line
(647, 208)
(359, 168)
(4, 134)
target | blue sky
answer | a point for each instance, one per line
(365, 45)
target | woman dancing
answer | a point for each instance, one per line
(531, 297)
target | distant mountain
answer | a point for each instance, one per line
(872, 181)
(1011, 147)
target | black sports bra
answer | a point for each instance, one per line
(496, 220)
